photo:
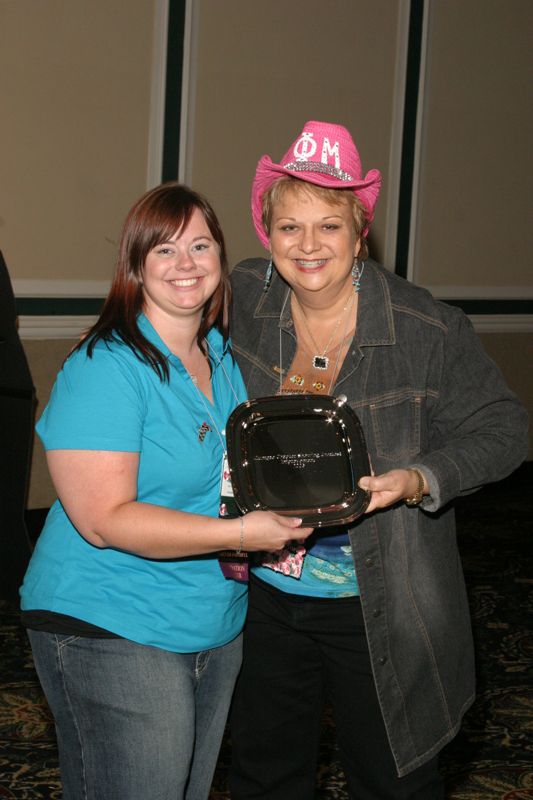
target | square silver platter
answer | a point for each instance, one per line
(298, 455)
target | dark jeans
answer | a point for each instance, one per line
(297, 650)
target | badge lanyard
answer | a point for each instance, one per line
(234, 565)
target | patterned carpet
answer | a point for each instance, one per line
(490, 759)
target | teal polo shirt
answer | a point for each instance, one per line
(113, 401)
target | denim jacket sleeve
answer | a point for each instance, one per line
(478, 427)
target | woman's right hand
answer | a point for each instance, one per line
(265, 530)
(98, 490)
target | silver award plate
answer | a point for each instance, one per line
(298, 455)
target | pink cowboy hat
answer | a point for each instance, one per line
(323, 154)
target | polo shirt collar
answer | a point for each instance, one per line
(214, 338)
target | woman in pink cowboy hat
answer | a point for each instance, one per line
(373, 614)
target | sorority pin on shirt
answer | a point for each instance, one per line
(202, 430)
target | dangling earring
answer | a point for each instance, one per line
(357, 274)
(268, 276)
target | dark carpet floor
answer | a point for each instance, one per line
(490, 759)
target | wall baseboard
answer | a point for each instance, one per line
(72, 327)
(502, 323)
(54, 327)
(23, 287)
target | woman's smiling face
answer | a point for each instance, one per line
(181, 274)
(313, 243)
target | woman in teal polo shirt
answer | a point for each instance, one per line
(134, 627)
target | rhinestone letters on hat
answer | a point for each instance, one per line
(327, 149)
(305, 147)
(316, 166)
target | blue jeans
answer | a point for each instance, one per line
(134, 721)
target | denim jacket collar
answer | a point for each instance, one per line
(375, 320)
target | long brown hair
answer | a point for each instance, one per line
(154, 218)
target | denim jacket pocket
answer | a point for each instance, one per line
(396, 425)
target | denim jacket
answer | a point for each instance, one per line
(428, 396)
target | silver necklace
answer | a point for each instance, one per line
(337, 359)
(320, 359)
(341, 347)
(193, 375)
(280, 343)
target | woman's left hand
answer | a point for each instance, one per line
(390, 487)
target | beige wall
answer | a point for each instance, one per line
(476, 199)
(75, 104)
(263, 70)
(513, 352)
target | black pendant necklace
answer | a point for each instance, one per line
(320, 360)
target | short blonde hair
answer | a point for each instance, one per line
(335, 197)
